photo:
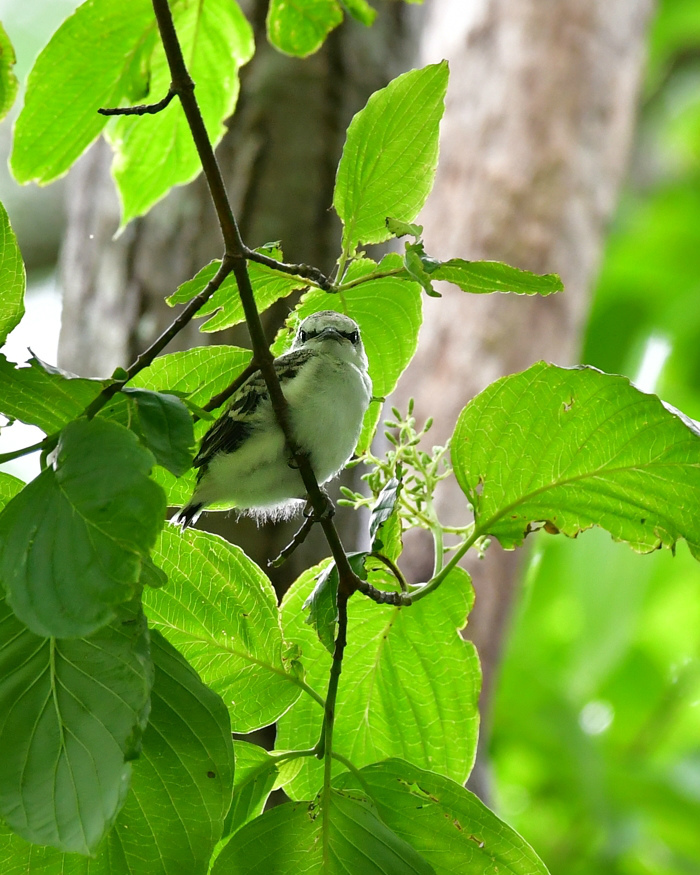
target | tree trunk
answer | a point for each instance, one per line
(535, 139)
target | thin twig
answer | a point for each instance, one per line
(307, 271)
(219, 399)
(141, 109)
(298, 539)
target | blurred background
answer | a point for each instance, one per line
(593, 740)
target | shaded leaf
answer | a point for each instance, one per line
(13, 277)
(299, 28)
(420, 267)
(82, 68)
(384, 522)
(361, 11)
(166, 428)
(492, 276)
(44, 396)
(72, 542)
(8, 80)
(298, 838)
(180, 788)
(401, 695)
(456, 833)
(574, 448)
(403, 229)
(156, 152)
(72, 716)
(322, 603)
(220, 611)
(390, 156)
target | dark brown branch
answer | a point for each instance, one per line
(142, 109)
(235, 258)
(307, 271)
(300, 536)
(383, 597)
(219, 399)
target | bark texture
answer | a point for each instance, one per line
(535, 139)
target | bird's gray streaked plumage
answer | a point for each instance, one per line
(243, 459)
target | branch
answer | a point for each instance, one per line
(307, 271)
(236, 254)
(142, 109)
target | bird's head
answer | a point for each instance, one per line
(333, 333)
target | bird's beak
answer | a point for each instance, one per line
(331, 334)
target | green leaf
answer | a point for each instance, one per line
(403, 229)
(81, 69)
(156, 152)
(388, 311)
(420, 267)
(401, 695)
(302, 839)
(199, 374)
(225, 304)
(72, 716)
(385, 523)
(361, 11)
(42, 395)
(166, 428)
(322, 605)
(13, 278)
(574, 448)
(72, 541)
(180, 788)
(256, 775)
(455, 832)
(8, 80)
(220, 610)
(481, 277)
(299, 27)
(390, 156)
(9, 487)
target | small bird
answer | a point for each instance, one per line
(243, 459)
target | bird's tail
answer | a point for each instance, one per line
(187, 516)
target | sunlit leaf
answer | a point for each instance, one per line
(299, 27)
(13, 278)
(220, 611)
(256, 775)
(390, 156)
(81, 69)
(298, 838)
(8, 80)
(401, 695)
(455, 832)
(492, 276)
(574, 448)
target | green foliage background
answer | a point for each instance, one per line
(596, 745)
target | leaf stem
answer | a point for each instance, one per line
(24, 451)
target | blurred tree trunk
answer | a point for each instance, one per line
(537, 128)
(535, 140)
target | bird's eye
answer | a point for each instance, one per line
(354, 337)
(303, 336)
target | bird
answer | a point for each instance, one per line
(243, 459)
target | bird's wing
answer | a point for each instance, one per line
(236, 423)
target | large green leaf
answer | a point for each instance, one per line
(400, 694)
(8, 80)
(81, 69)
(455, 832)
(13, 278)
(388, 311)
(180, 788)
(225, 304)
(390, 156)
(220, 610)
(71, 715)
(299, 27)
(156, 152)
(574, 448)
(72, 542)
(303, 839)
(42, 395)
